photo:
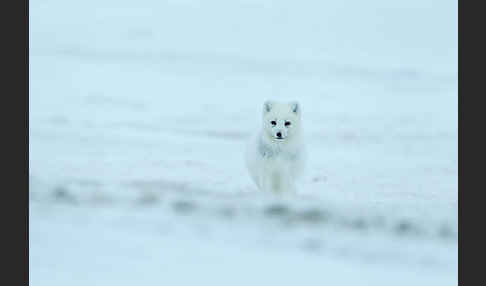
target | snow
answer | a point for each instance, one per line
(140, 111)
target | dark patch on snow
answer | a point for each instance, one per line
(277, 210)
(405, 227)
(313, 215)
(445, 231)
(148, 198)
(359, 223)
(62, 194)
(184, 207)
(319, 179)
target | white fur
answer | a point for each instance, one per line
(275, 164)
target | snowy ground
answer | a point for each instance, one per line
(139, 113)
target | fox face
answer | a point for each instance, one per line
(281, 121)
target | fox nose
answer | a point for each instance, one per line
(279, 134)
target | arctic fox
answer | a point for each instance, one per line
(275, 157)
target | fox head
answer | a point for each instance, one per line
(281, 121)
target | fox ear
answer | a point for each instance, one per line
(295, 107)
(267, 106)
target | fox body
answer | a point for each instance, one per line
(275, 156)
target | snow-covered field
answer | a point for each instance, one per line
(140, 111)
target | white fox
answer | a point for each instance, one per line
(275, 157)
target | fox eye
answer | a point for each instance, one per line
(273, 122)
(287, 123)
